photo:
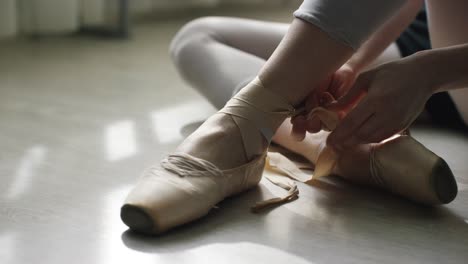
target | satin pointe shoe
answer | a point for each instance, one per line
(400, 165)
(183, 188)
(405, 167)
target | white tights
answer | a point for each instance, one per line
(217, 55)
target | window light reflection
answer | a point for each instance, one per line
(7, 246)
(120, 140)
(27, 168)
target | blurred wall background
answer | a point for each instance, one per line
(45, 17)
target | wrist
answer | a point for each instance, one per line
(352, 66)
(425, 65)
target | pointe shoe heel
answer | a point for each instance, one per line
(183, 188)
(406, 167)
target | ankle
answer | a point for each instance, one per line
(217, 140)
(262, 107)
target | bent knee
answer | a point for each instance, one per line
(195, 33)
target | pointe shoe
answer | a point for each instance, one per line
(401, 165)
(405, 167)
(184, 188)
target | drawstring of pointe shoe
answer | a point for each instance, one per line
(184, 165)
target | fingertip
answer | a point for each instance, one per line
(298, 130)
(313, 125)
(314, 130)
(296, 119)
(334, 87)
(298, 136)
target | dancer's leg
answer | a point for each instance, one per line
(288, 74)
(217, 55)
(225, 155)
(295, 69)
(246, 43)
(447, 25)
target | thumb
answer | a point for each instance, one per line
(336, 84)
(353, 96)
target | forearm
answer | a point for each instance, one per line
(445, 68)
(384, 36)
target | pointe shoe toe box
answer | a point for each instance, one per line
(162, 201)
(407, 168)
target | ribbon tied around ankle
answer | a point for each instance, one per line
(277, 162)
(262, 107)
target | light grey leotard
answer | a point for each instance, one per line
(349, 21)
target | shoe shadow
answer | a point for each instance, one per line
(329, 213)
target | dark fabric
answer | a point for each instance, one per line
(444, 112)
(416, 37)
(440, 106)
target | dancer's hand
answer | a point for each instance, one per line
(342, 80)
(337, 85)
(392, 94)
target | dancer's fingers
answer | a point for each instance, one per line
(335, 86)
(342, 81)
(366, 133)
(299, 128)
(347, 127)
(313, 125)
(312, 101)
(381, 130)
(324, 85)
(353, 96)
(325, 99)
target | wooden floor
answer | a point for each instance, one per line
(80, 117)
